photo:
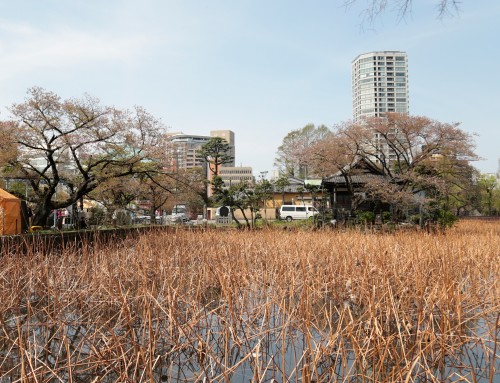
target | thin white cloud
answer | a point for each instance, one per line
(15, 28)
(24, 48)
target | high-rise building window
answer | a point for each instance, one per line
(375, 76)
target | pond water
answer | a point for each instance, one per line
(264, 343)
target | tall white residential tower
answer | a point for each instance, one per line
(379, 84)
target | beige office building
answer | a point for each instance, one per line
(228, 135)
(233, 175)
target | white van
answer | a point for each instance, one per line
(291, 212)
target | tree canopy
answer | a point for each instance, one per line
(66, 148)
(216, 152)
(291, 156)
(402, 8)
(414, 153)
(489, 189)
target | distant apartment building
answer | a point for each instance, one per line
(379, 84)
(233, 175)
(182, 149)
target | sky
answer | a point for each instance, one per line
(260, 68)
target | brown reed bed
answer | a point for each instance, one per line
(259, 306)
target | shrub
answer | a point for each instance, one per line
(365, 216)
(96, 216)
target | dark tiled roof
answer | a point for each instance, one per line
(355, 179)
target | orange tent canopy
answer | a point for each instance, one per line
(10, 214)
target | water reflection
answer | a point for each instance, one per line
(242, 340)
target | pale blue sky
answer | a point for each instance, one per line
(258, 67)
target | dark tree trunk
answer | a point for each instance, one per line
(41, 214)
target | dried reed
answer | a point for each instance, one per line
(260, 306)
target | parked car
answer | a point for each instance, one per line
(145, 219)
(177, 218)
(291, 212)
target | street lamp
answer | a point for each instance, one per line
(263, 175)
